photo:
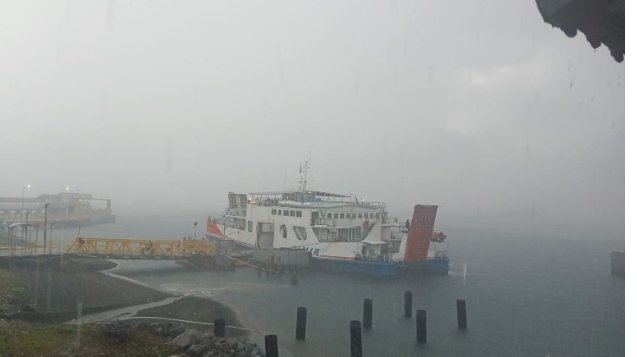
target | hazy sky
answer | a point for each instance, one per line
(478, 106)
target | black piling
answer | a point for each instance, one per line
(407, 300)
(367, 313)
(461, 306)
(271, 346)
(301, 319)
(421, 326)
(220, 328)
(356, 343)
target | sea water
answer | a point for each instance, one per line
(526, 296)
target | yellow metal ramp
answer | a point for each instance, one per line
(141, 247)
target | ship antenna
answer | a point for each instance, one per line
(303, 170)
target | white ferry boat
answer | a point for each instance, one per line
(339, 231)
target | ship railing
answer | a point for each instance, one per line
(372, 204)
(267, 202)
(239, 212)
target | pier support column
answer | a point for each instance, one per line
(220, 328)
(301, 320)
(356, 344)
(367, 313)
(271, 346)
(421, 326)
(407, 302)
(461, 306)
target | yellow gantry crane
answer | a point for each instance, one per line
(141, 247)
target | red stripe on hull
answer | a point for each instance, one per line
(213, 228)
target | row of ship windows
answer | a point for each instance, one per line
(351, 215)
(342, 215)
(287, 213)
(300, 232)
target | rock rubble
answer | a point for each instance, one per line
(192, 342)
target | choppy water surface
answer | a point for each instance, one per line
(526, 297)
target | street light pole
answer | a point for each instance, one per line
(23, 188)
(24, 228)
(26, 238)
(46, 205)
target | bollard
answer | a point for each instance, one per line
(271, 346)
(301, 320)
(461, 306)
(48, 291)
(220, 328)
(367, 313)
(421, 326)
(294, 280)
(356, 344)
(407, 300)
(36, 291)
(78, 331)
(259, 272)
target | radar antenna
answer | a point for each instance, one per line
(303, 170)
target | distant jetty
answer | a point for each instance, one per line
(617, 263)
(64, 208)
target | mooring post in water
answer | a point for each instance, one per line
(78, 332)
(301, 320)
(421, 326)
(220, 328)
(48, 291)
(461, 306)
(271, 346)
(36, 290)
(355, 340)
(367, 313)
(407, 300)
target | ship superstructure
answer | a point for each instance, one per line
(338, 231)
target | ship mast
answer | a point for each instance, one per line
(303, 170)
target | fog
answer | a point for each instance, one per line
(478, 106)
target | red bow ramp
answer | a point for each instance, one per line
(422, 226)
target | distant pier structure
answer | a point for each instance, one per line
(617, 263)
(65, 208)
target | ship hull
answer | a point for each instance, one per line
(383, 269)
(340, 235)
(364, 267)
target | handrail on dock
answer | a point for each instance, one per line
(141, 247)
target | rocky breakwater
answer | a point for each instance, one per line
(191, 342)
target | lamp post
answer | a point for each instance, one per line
(46, 205)
(24, 228)
(24, 188)
(50, 237)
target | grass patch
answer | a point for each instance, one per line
(13, 292)
(19, 338)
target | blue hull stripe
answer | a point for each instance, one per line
(440, 266)
(374, 268)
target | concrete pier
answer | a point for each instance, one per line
(617, 263)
